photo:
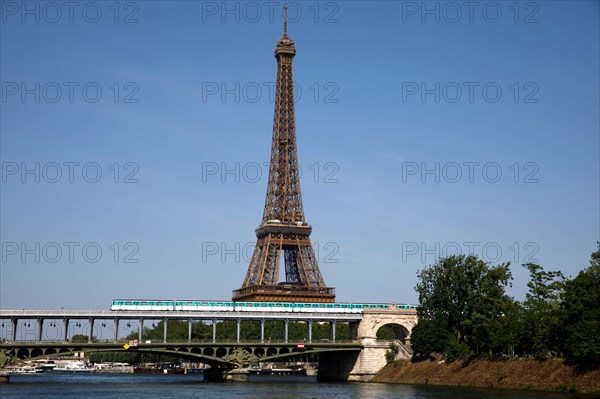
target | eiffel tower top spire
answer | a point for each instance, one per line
(285, 21)
(285, 45)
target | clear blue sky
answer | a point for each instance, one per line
(185, 97)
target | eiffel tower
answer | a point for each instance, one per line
(284, 230)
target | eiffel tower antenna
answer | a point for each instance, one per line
(285, 21)
(284, 232)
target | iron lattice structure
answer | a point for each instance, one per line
(284, 230)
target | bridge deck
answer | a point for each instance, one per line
(181, 315)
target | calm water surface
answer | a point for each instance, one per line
(129, 386)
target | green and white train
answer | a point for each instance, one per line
(220, 306)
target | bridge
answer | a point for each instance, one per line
(35, 334)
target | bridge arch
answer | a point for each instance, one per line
(400, 324)
(392, 331)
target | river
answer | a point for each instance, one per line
(130, 386)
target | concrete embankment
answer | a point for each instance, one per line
(549, 375)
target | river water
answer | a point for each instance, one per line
(130, 386)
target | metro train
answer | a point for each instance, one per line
(220, 306)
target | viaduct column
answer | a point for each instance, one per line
(116, 330)
(214, 330)
(40, 327)
(262, 331)
(91, 332)
(15, 322)
(66, 329)
(165, 331)
(332, 330)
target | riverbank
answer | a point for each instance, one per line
(549, 375)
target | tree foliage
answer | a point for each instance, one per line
(581, 315)
(466, 297)
(542, 317)
(464, 311)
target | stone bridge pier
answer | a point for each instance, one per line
(363, 365)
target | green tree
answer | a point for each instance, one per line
(542, 314)
(429, 336)
(581, 315)
(386, 333)
(465, 296)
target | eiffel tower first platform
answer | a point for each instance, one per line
(284, 230)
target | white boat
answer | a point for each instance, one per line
(46, 365)
(23, 369)
(71, 366)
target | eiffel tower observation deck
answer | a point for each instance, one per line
(284, 232)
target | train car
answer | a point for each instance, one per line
(142, 305)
